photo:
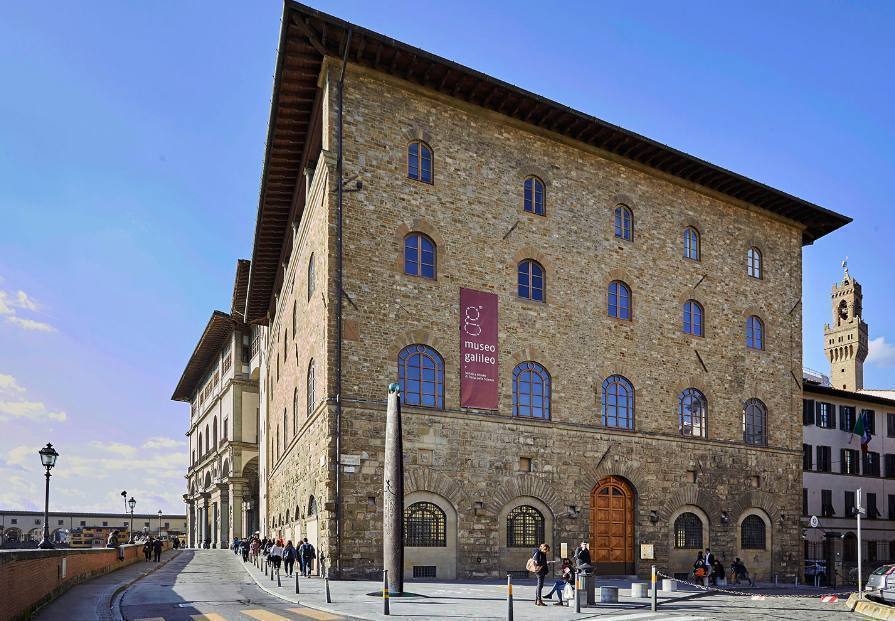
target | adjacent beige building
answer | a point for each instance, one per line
(648, 343)
(834, 464)
(222, 479)
(24, 529)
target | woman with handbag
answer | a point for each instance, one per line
(699, 568)
(537, 564)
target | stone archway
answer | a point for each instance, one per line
(612, 526)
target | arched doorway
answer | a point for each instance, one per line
(612, 526)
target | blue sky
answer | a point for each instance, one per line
(132, 144)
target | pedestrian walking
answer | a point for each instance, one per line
(717, 572)
(275, 554)
(306, 555)
(157, 550)
(740, 572)
(147, 551)
(710, 565)
(289, 554)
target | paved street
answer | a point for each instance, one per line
(208, 585)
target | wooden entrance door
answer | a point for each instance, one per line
(612, 527)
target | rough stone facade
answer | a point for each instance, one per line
(470, 462)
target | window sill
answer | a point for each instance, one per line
(530, 302)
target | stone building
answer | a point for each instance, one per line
(634, 381)
(834, 464)
(222, 478)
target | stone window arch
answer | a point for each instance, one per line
(688, 531)
(425, 526)
(420, 162)
(311, 283)
(755, 422)
(421, 376)
(534, 196)
(531, 281)
(525, 527)
(619, 301)
(311, 384)
(754, 265)
(420, 255)
(694, 318)
(531, 391)
(624, 223)
(312, 507)
(618, 403)
(692, 413)
(753, 534)
(755, 332)
(692, 249)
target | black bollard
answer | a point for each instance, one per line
(326, 584)
(509, 597)
(385, 592)
(578, 587)
(296, 583)
(654, 601)
(279, 584)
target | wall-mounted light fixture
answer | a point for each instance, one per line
(653, 517)
(725, 517)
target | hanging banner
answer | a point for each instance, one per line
(478, 350)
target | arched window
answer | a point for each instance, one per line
(419, 255)
(312, 507)
(310, 277)
(425, 526)
(525, 527)
(312, 399)
(754, 333)
(755, 422)
(201, 452)
(277, 444)
(752, 533)
(533, 202)
(619, 301)
(693, 318)
(692, 411)
(294, 317)
(691, 243)
(419, 161)
(753, 262)
(624, 223)
(531, 280)
(214, 432)
(285, 429)
(688, 532)
(207, 439)
(421, 376)
(618, 403)
(295, 408)
(531, 391)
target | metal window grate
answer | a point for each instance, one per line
(425, 526)
(525, 527)
(688, 531)
(424, 571)
(753, 533)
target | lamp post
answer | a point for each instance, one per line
(160, 523)
(131, 503)
(48, 457)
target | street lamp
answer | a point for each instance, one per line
(131, 503)
(48, 457)
(159, 523)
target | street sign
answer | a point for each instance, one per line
(814, 522)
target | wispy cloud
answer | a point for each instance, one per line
(116, 448)
(159, 442)
(15, 405)
(882, 354)
(11, 303)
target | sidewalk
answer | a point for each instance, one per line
(91, 600)
(441, 600)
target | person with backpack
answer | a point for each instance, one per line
(275, 554)
(289, 555)
(157, 550)
(537, 565)
(307, 554)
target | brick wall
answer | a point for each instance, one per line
(30, 578)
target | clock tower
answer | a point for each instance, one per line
(845, 339)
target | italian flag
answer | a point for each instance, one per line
(862, 432)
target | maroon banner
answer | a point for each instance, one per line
(478, 349)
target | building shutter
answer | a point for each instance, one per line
(807, 411)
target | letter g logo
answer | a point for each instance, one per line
(471, 320)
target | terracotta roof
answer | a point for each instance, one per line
(308, 35)
(847, 394)
(216, 332)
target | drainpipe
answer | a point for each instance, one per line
(339, 267)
